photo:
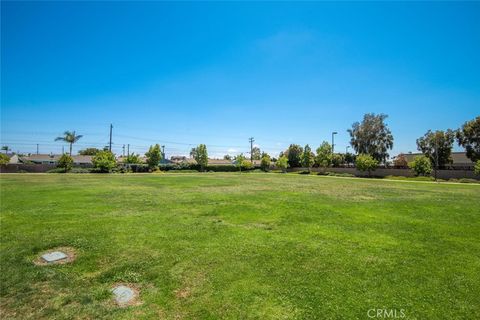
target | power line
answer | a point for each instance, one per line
(251, 148)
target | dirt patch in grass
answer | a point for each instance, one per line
(183, 293)
(69, 251)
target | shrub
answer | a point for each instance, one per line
(55, 170)
(247, 165)
(477, 168)
(104, 161)
(201, 156)
(282, 163)
(65, 162)
(4, 159)
(400, 161)
(421, 165)
(337, 159)
(80, 170)
(153, 156)
(365, 162)
(265, 163)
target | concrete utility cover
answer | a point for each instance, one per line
(54, 256)
(123, 294)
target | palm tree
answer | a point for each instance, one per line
(6, 148)
(69, 137)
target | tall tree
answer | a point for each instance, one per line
(201, 156)
(256, 153)
(154, 155)
(294, 155)
(69, 137)
(372, 136)
(324, 155)
(307, 157)
(468, 136)
(227, 157)
(438, 141)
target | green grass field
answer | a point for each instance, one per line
(231, 246)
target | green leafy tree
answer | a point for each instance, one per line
(324, 155)
(4, 159)
(154, 155)
(477, 168)
(69, 137)
(265, 162)
(282, 163)
(366, 162)
(372, 136)
(421, 165)
(104, 161)
(308, 158)
(438, 140)
(201, 156)
(132, 159)
(468, 136)
(256, 153)
(65, 162)
(240, 161)
(227, 157)
(294, 155)
(337, 159)
(350, 158)
(89, 151)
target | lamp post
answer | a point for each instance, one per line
(333, 140)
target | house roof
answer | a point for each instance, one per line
(55, 158)
(457, 157)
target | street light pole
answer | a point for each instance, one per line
(333, 140)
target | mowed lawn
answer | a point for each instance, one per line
(239, 246)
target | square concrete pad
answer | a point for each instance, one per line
(123, 294)
(54, 256)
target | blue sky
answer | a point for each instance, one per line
(181, 74)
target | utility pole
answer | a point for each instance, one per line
(128, 150)
(436, 155)
(346, 149)
(110, 144)
(251, 148)
(63, 149)
(123, 151)
(333, 141)
(37, 148)
(163, 152)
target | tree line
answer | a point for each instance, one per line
(371, 139)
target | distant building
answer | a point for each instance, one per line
(14, 159)
(53, 159)
(460, 160)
